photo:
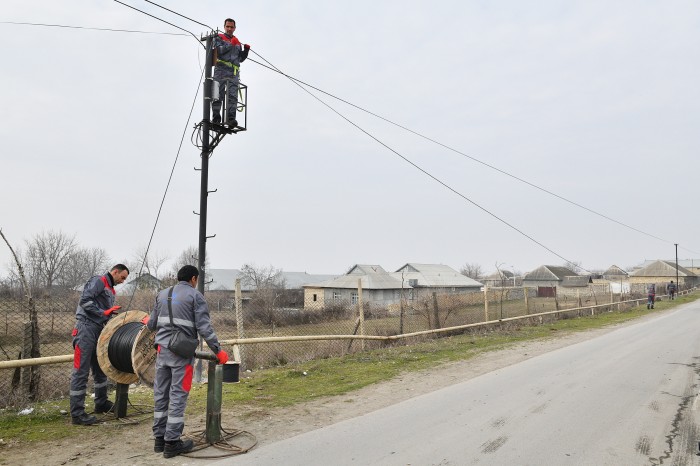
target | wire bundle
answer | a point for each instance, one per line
(120, 345)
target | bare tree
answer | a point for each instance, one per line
(151, 262)
(472, 270)
(574, 265)
(83, 264)
(188, 257)
(32, 375)
(268, 285)
(47, 256)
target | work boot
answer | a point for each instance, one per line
(232, 122)
(84, 419)
(159, 445)
(177, 447)
(107, 407)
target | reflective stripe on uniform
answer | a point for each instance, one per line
(183, 322)
(176, 420)
(76, 392)
(100, 385)
(229, 64)
(159, 415)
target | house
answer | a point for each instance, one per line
(145, 281)
(379, 288)
(225, 280)
(691, 264)
(435, 278)
(547, 278)
(615, 273)
(661, 272)
(221, 283)
(501, 278)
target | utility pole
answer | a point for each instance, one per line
(204, 191)
(678, 286)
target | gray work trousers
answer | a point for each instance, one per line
(85, 335)
(171, 387)
(232, 96)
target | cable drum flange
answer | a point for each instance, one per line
(118, 374)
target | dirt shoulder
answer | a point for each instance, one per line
(116, 443)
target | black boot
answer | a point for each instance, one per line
(177, 447)
(159, 445)
(84, 420)
(107, 407)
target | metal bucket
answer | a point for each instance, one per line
(231, 372)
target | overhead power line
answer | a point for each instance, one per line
(167, 186)
(91, 28)
(434, 141)
(422, 170)
(180, 15)
(161, 19)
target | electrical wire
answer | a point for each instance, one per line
(167, 186)
(425, 172)
(160, 19)
(180, 15)
(416, 133)
(434, 141)
(91, 28)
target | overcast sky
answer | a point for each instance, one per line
(596, 101)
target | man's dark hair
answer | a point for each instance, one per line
(186, 273)
(120, 267)
(231, 20)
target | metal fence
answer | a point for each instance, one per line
(262, 317)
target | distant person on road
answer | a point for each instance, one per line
(229, 53)
(95, 308)
(651, 295)
(671, 290)
(184, 306)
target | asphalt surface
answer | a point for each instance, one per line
(627, 397)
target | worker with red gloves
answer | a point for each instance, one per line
(229, 53)
(95, 308)
(173, 377)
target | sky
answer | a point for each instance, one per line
(595, 101)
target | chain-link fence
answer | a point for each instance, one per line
(269, 313)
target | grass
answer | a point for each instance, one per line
(294, 383)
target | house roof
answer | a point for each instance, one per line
(687, 263)
(549, 273)
(373, 277)
(500, 275)
(225, 279)
(434, 276)
(661, 268)
(614, 270)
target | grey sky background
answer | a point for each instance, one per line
(597, 101)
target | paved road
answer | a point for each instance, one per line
(625, 398)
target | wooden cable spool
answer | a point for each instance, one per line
(143, 357)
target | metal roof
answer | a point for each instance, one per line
(225, 279)
(370, 281)
(614, 270)
(550, 272)
(661, 268)
(434, 276)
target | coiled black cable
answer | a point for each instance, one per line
(120, 345)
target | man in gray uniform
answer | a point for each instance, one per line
(173, 378)
(95, 308)
(228, 58)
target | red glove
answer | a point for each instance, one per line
(145, 320)
(222, 356)
(246, 47)
(112, 310)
